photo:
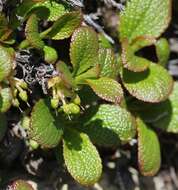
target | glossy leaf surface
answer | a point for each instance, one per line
(81, 157)
(107, 63)
(5, 99)
(144, 17)
(45, 127)
(49, 10)
(149, 156)
(107, 88)
(131, 61)
(152, 85)
(83, 49)
(108, 125)
(65, 25)
(32, 34)
(166, 114)
(5, 63)
(50, 54)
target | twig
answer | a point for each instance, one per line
(174, 176)
(91, 22)
(173, 61)
(78, 3)
(119, 6)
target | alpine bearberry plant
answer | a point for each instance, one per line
(89, 97)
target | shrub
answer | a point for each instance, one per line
(89, 96)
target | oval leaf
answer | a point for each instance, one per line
(149, 156)
(81, 157)
(5, 31)
(65, 25)
(32, 34)
(5, 99)
(83, 49)
(167, 113)
(152, 85)
(131, 61)
(108, 63)
(108, 125)
(48, 9)
(5, 63)
(144, 17)
(162, 51)
(45, 127)
(56, 10)
(148, 112)
(50, 54)
(107, 88)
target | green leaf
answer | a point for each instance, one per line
(108, 64)
(149, 156)
(81, 157)
(5, 99)
(21, 185)
(50, 54)
(83, 49)
(153, 85)
(56, 10)
(65, 25)
(24, 8)
(108, 125)
(149, 112)
(66, 75)
(162, 51)
(107, 88)
(6, 62)
(144, 17)
(141, 42)
(32, 34)
(87, 96)
(5, 31)
(49, 10)
(165, 114)
(103, 41)
(92, 73)
(45, 129)
(131, 61)
(3, 125)
(25, 122)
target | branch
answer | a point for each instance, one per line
(91, 22)
(119, 6)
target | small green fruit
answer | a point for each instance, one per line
(71, 108)
(23, 95)
(15, 103)
(33, 144)
(15, 91)
(54, 103)
(23, 85)
(77, 100)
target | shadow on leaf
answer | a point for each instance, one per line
(73, 139)
(97, 131)
(134, 77)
